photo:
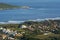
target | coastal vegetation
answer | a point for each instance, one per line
(4, 6)
(35, 30)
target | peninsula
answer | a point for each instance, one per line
(4, 6)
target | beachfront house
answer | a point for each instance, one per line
(23, 26)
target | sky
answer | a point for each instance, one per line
(29, 0)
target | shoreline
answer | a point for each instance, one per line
(38, 20)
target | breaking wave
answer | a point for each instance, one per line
(11, 22)
(18, 22)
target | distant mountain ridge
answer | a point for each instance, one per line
(4, 6)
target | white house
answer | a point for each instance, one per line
(23, 26)
(1, 28)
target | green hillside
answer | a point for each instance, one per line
(7, 6)
(4, 6)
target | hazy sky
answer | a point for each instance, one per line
(29, 0)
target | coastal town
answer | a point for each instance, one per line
(24, 30)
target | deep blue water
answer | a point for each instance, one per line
(37, 11)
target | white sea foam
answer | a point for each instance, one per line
(15, 21)
(2, 22)
(12, 22)
(39, 8)
(44, 9)
(57, 18)
(18, 22)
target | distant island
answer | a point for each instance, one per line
(4, 6)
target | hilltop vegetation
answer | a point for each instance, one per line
(7, 6)
(4, 6)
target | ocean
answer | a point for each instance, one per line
(36, 11)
